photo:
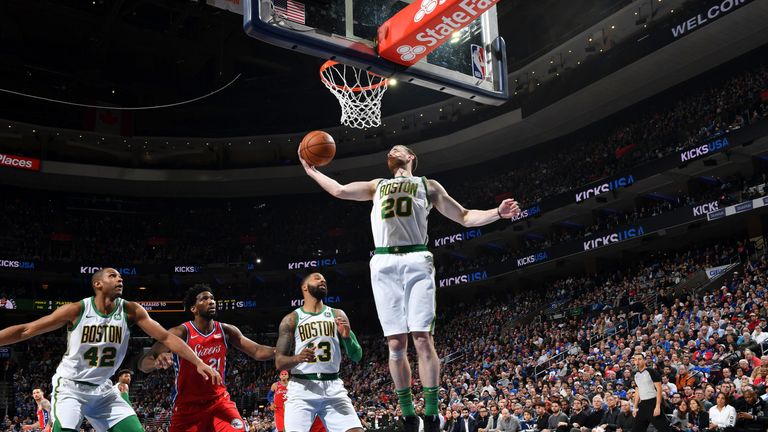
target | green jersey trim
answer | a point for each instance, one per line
(98, 312)
(80, 316)
(426, 189)
(317, 376)
(56, 425)
(313, 314)
(400, 249)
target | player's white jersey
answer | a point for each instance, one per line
(96, 345)
(400, 210)
(318, 332)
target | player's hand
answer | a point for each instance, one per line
(305, 164)
(164, 360)
(209, 373)
(509, 208)
(657, 411)
(342, 326)
(306, 355)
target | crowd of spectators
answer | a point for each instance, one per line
(67, 227)
(642, 135)
(562, 352)
(725, 191)
(525, 355)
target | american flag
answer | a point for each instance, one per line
(290, 10)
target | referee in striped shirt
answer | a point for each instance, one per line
(647, 401)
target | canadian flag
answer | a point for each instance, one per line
(109, 121)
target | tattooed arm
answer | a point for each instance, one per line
(283, 358)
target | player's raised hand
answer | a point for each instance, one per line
(342, 325)
(164, 360)
(305, 164)
(509, 208)
(209, 373)
(306, 355)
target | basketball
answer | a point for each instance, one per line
(317, 148)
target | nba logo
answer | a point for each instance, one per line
(478, 61)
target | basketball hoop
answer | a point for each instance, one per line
(359, 93)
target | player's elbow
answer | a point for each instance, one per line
(338, 192)
(466, 220)
(145, 369)
(146, 365)
(281, 362)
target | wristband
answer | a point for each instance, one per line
(498, 211)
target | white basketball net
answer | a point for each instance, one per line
(359, 93)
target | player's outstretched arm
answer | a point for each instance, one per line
(158, 357)
(454, 211)
(347, 336)
(283, 358)
(254, 350)
(355, 191)
(67, 314)
(140, 316)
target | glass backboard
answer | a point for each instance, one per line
(346, 31)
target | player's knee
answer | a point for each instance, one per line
(422, 341)
(128, 424)
(397, 343)
(396, 354)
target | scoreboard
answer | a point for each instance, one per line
(48, 305)
(149, 305)
(162, 305)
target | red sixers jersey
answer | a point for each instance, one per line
(42, 417)
(190, 386)
(280, 392)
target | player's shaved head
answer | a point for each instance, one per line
(306, 279)
(99, 275)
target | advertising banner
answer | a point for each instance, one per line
(19, 162)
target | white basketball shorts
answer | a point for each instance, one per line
(326, 399)
(101, 405)
(404, 292)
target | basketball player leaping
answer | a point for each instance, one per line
(402, 270)
(317, 333)
(198, 405)
(97, 340)
(43, 412)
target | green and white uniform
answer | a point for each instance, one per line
(96, 346)
(315, 388)
(402, 269)
(124, 394)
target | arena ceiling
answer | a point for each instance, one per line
(149, 52)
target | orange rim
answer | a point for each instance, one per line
(331, 63)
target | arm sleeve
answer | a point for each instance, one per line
(271, 397)
(352, 346)
(654, 375)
